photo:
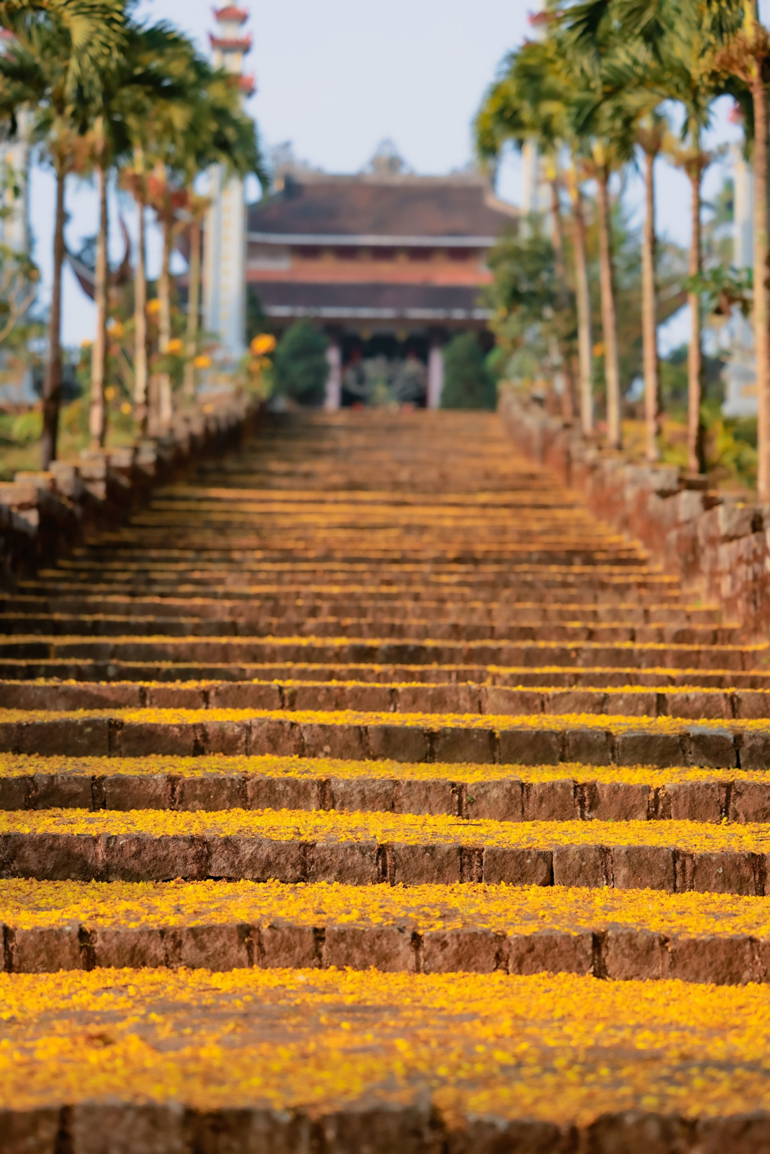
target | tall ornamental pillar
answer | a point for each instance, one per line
(435, 374)
(225, 239)
(333, 398)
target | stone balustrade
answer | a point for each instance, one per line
(43, 514)
(718, 544)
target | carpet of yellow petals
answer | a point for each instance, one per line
(364, 793)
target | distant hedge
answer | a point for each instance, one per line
(300, 365)
(468, 382)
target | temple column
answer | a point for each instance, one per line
(435, 375)
(333, 398)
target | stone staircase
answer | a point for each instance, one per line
(364, 793)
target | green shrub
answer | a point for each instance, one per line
(468, 382)
(300, 366)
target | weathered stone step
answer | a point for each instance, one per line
(439, 528)
(277, 605)
(692, 701)
(260, 625)
(490, 581)
(193, 495)
(515, 677)
(498, 793)
(467, 1064)
(371, 848)
(363, 735)
(220, 926)
(383, 651)
(362, 552)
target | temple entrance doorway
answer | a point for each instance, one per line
(384, 369)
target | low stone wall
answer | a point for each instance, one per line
(44, 514)
(717, 544)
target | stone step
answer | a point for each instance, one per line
(257, 607)
(373, 848)
(358, 551)
(498, 793)
(692, 702)
(348, 1062)
(348, 650)
(193, 496)
(590, 678)
(421, 737)
(220, 926)
(489, 582)
(438, 527)
(259, 625)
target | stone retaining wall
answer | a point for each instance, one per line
(43, 514)
(718, 544)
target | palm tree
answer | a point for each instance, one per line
(222, 134)
(694, 161)
(146, 109)
(627, 79)
(527, 105)
(212, 130)
(593, 54)
(582, 296)
(741, 51)
(678, 40)
(52, 68)
(146, 80)
(134, 179)
(650, 136)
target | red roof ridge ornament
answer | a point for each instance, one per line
(231, 12)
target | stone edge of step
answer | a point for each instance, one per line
(568, 798)
(140, 857)
(708, 747)
(615, 953)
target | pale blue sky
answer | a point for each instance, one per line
(337, 77)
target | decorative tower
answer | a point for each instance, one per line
(224, 265)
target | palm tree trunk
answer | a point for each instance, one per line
(140, 326)
(165, 400)
(52, 384)
(193, 307)
(761, 295)
(695, 448)
(583, 307)
(650, 314)
(568, 391)
(609, 316)
(98, 415)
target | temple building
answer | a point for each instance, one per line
(390, 265)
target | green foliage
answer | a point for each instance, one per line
(525, 300)
(524, 296)
(721, 289)
(673, 383)
(20, 428)
(300, 367)
(731, 447)
(468, 381)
